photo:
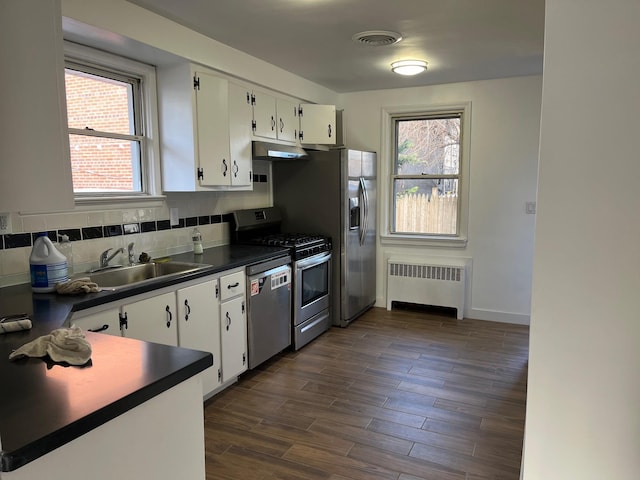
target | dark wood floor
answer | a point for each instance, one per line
(396, 395)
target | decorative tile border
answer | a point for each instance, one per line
(20, 240)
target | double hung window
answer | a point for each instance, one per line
(426, 177)
(110, 121)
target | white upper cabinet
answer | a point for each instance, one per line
(264, 115)
(318, 124)
(205, 138)
(240, 135)
(274, 118)
(212, 129)
(35, 167)
(287, 125)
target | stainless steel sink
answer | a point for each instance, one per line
(120, 277)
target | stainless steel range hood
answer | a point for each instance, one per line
(274, 151)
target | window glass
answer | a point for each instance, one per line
(427, 175)
(105, 131)
(426, 206)
(101, 164)
(99, 103)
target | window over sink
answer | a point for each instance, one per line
(112, 120)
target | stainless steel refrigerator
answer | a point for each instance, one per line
(334, 193)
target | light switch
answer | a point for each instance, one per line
(530, 208)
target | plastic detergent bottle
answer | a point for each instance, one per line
(47, 265)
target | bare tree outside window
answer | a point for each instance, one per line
(427, 174)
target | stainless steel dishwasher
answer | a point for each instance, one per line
(268, 309)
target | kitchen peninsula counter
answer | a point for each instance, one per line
(45, 406)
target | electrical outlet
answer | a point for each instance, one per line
(173, 216)
(5, 223)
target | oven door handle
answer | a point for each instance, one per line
(313, 261)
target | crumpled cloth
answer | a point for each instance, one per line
(62, 345)
(78, 285)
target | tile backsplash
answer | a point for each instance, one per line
(146, 228)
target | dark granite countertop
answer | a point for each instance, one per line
(45, 406)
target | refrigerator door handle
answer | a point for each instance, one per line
(365, 211)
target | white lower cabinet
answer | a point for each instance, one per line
(199, 327)
(208, 314)
(233, 325)
(106, 321)
(152, 320)
(233, 334)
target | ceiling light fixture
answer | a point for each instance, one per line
(409, 67)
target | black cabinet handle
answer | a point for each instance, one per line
(169, 316)
(224, 163)
(228, 320)
(188, 312)
(233, 285)
(273, 123)
(329, 130)
(101, 329)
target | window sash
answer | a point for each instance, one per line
(395, 177)
(139, 165)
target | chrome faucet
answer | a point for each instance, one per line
(105, 258)
(132, 256)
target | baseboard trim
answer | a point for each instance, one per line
(496, 316)
(480, 314)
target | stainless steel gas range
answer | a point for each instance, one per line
(311, 269)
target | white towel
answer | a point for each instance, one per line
(79, 285)
(62, 345)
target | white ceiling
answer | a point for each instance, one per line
(460, 39)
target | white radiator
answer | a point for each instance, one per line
(426, 283)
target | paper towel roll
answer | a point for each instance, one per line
(15, 326)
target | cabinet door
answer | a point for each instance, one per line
(198, 309)
(240, 135)
(287, 127)
(103, 322)
(318, 124)
(233, 336)
(264, 115)
(152, 320)
(213, 130)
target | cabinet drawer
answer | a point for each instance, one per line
(232, 285)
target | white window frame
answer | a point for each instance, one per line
(387, 162)
(149, 144)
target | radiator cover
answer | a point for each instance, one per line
(426, 283)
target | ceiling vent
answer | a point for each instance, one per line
(377, 38)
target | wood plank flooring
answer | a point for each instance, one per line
(399, 395)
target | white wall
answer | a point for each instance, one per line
(503, 168)
(121, 24)
(583, 402)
